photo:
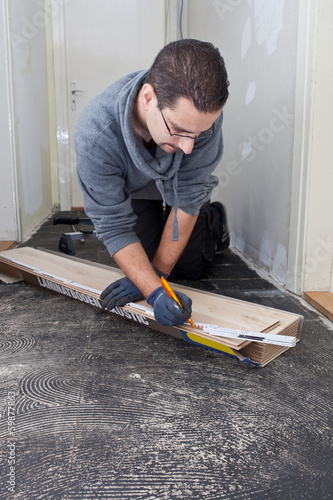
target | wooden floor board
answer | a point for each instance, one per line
(322, 301)
(7, 245)
(62, 274)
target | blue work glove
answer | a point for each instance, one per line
(120, 293)
(166, 310)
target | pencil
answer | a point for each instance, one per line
(167, 288)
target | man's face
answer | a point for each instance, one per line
(184, 119)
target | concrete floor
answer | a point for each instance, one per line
(107, 409)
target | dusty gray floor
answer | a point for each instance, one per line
(104, 408)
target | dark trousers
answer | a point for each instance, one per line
(200, 249)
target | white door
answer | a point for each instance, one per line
(102, 40)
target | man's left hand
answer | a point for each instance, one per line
(120, 293)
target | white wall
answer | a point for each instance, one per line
(30, 121)
(318, 273)
(8, 226)
(258, 40)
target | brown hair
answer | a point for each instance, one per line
(192, 69)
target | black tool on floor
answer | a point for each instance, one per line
(66, 244)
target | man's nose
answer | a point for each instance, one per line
(186, 145)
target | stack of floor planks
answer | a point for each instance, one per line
(264, 353)
(84, 280)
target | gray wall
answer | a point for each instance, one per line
(257, 39)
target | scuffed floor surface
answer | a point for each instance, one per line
(96, 407)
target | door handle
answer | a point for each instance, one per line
(74, 91)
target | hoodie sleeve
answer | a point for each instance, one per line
(195, 179)
(106, 199)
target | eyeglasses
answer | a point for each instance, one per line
(207, 133)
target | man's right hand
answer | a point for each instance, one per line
(120, 293)
(166, 310)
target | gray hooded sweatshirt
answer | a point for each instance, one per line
(113, 166)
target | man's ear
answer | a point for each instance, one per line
(148, 96)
